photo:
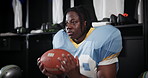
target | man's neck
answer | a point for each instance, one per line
(80, 39)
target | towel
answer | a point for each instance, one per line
(104, 8)
(17, 9)
(57, 7)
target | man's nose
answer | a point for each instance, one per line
(69, 25)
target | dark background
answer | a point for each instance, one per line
(41, 12)
(14, 50)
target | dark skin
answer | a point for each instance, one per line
(73, 27)
(71, 67)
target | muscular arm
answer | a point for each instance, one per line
(107, 71)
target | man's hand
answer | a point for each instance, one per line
(44, 71)
(70, 66)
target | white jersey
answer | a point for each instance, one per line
(104, 8)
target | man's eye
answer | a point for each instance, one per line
(74, 22)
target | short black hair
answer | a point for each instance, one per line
(82, 13)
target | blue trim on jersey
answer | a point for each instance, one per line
(86, 66)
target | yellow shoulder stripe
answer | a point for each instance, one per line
(77, 45)
(112, 56)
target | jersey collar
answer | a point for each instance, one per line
(77, 45)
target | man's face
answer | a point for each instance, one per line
(73, 26)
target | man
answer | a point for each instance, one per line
(95, 49)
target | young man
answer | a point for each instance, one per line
(96, 49)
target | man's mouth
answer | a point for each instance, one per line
(69, 33)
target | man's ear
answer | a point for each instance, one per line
(85, 23)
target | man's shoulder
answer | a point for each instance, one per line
(60, 32)
(106, 27)
(105, 32)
